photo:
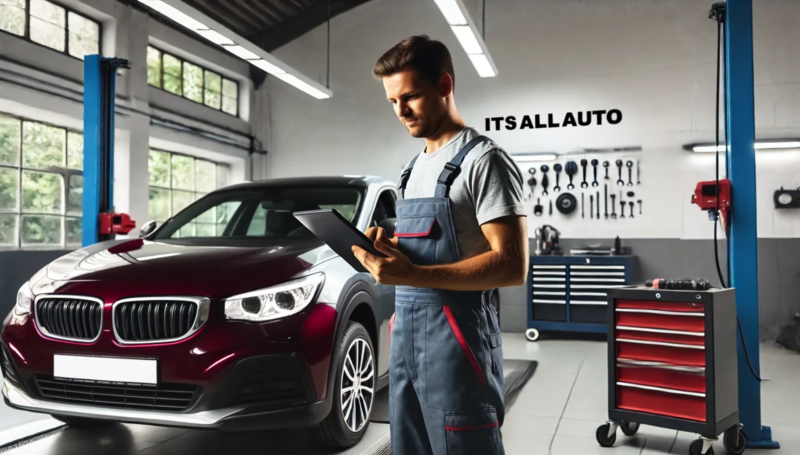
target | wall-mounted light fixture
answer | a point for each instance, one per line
(239, 46)
(762, 144)
(468, 36)
(550, 156)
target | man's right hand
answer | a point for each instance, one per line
(377, 233)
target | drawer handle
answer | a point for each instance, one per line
(599, 280)
(626, 363)
(671, 332)
(550, 286)
(661, 389)
(549, 273)
(558, 267)
(588, 294)
(587, 302)
(597, 273)
(660, 343)
(559, 302)
(666, 313)
(548, 279)
(597, 267)
(595, 286)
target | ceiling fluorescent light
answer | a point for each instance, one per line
(174, 14)
(467, 39)
(215, 37)
(771, 144)
(241, 52)
(481, 63)
(534, 157)
(297, 83)
(267, 66)
(451, 12)
(767, 145)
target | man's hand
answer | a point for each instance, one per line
(395, 269)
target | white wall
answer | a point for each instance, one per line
(42, 84)
(654, 60)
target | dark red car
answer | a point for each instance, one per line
(230, 315)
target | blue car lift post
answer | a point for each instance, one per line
(743, 236)
(99, 90)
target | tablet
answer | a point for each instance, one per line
(334, 229)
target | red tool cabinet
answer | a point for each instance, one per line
(672, 362)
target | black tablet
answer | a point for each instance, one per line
(334, 229)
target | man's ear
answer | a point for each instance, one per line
(445, 85)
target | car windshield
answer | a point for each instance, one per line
(259, 212)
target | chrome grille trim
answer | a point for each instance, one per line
(47, 334)
(201, 316)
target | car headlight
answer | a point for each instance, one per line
(276, 301)
(24, 300)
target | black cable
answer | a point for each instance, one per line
(328, 78)
(716, 246)
(483, 20)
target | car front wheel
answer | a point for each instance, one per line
(354, 391)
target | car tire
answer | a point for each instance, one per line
(346, 424)
(83, 422)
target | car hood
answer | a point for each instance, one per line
(116, 269)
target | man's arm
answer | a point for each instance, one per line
(506, 264)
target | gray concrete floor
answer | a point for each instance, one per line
(556, 413)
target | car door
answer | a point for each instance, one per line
(384, 215)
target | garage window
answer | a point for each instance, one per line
(178, 180)
(193, 82)
(52, 25)
(41, 185)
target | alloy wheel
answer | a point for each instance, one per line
(357, 385)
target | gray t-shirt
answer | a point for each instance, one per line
(488, 187)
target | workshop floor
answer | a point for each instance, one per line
(556, 413)
(560, 408)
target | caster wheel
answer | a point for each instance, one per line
(734, 440)
(532, 334)
(603, 438)
(630, 428)
(697, 448)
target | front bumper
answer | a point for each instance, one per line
(227, 419)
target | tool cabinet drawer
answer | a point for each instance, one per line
(672, 353)
(662, 401)
(686, 307)
(658, 319)
(661, 335)
(656, 374)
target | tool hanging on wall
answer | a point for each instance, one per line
(606, 165)
(605, 193)
(545, 180)
(622, 206)
(630, 204)
(786, 199)
(584, 183)
(532, 170)
(591, 206)
(613, 207)
(620, 182)
(571, 169)
(597, 198)
(538, 209)
(582, 210)
(630, 194)
(551, 207)
(630, 172)
(640, 206)
(532, 183)
(638, 168)
(594, 165)
(557, 168)
(566, 203)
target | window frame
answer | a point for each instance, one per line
(204, 69)
(66, 173)
(67, 10)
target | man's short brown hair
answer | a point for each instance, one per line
(430, 58)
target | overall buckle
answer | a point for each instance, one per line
(449, 173)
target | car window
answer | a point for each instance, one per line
(259, 212)
(384, 208)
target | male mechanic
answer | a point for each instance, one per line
(461, 232)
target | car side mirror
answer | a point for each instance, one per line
(147, 229)
(388, 225)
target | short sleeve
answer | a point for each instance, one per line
(496, 187)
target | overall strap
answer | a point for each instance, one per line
(452, 168)
(401, 186)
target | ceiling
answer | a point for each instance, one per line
(272, 23)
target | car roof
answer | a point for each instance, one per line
(354, 180)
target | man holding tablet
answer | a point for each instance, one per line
(461, 232)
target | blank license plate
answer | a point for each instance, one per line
(105, 369)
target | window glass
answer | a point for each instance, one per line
(74, 150)
(9, 187)
(230, 96)
(223, 175)
(12, 18)
(172, 74)
(75, 194)
(193, 82)
(74, 232)
(47, 24)
(183, 172)
(159, 204)
(181, 200)
(41, 230)
(41, 192)
(43, 145)
(158, 166)
(84, 36)
(9, 139)
(153, 66)
(205, 178)
(8, 229)
(213, 90)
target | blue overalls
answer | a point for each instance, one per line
(446, 359)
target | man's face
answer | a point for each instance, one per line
(419, 105)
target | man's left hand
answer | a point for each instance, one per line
(395, 269)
